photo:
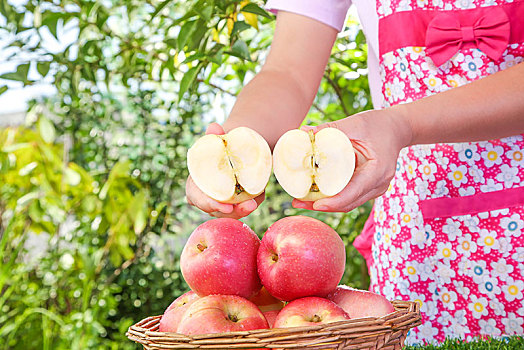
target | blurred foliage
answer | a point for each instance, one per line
(92, 209)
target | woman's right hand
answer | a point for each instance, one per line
(200, 200)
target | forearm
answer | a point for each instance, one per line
(279, 97)
(489, 108)
(271, 104)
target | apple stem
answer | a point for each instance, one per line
(274, 257)
(233, 318)
(316, 318)
(201, 247)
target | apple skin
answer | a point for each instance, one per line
(300, 256)
(271, 317)
(309, 311)
(361, 303)
(221, 313)
(268, 304)
(220, 257)
(171, 317)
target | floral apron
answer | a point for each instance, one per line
(448, 233)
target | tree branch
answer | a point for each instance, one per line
(337, 91)
(217, 87)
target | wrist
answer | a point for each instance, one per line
(402, 124)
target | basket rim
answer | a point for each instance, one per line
(406, 316)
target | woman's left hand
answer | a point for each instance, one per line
(377, 137)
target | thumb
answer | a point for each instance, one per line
(215, 129)
(317, 128)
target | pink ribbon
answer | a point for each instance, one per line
(447, 34)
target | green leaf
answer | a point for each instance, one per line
(187, 80)
(239, 26)
(184, 33)
(19, 75)
(3, 89)
(206, 13)
(47, 130)
(198, 34)
(240, 50)
(215, 55)
(43, 68)
(159, 8)
(50, 19)
(171, 43)
(254, 8)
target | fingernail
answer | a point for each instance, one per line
(299, 205)
(321, 207)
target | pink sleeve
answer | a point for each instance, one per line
(330, 12)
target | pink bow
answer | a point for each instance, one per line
(447, 33)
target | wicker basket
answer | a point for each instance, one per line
(388, 332)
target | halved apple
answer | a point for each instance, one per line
(230, 168)
(310, 166)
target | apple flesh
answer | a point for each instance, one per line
(309, 311)
(300, 256)
(230, 168)
(220, 257)
(221, 313)
(310, 166)
(361, 303)
(171, 317)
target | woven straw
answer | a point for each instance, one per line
(387, 332)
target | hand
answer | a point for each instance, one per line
(377, 137)
(200, 200)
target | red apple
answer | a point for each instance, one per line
(309, 311)
(300, 256)
(268, 304)
(271, 317)
(220, 257)
(221, 313)
(171, 318)
(360, 303)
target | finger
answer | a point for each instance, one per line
(198, 199)
(317, 128)
(362, 183)
(215, 129)
(232, 215)
(297, 203)
(307, 127)
(246, 206)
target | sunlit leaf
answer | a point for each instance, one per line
(251, 19)
(47, 130)
(72, 177)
